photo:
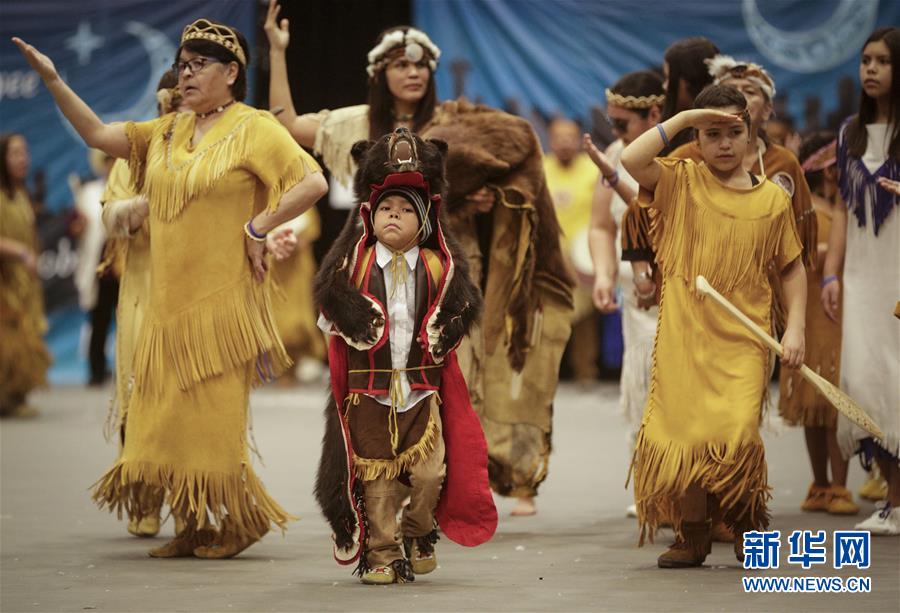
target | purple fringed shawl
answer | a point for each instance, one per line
(856, 183)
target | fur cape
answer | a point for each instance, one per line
(488, 147)
(466, 511)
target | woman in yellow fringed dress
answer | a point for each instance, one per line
(699, 446)
(208, 333)
(24, 358)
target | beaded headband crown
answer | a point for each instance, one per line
(415, 44)
(634, 102)
(723, 67)
(222, 35)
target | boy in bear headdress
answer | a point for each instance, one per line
(396, 300)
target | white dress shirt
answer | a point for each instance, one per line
(401, 315)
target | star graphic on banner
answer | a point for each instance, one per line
(84, 42)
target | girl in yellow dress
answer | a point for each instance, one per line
(699, 447)
(217, 179)
(24, 358)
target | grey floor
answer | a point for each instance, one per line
(59, 553)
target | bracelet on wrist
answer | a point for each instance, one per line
(611, 180)
(646, 296)
(251, 232)
(827, 280)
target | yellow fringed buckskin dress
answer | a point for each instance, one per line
(208, 332)
(709, 375)
(24, 358)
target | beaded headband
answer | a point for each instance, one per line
(723, 67)
(822, 158)
(415, 44)
(634, 102)
(222, 35)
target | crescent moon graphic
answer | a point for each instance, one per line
(160, 52)
(818, 49)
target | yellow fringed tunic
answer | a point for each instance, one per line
(709, 374)
(208, 332)
(24, 358)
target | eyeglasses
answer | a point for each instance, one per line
(196, 65)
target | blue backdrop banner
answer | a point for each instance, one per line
(112, 53)
(558, 56)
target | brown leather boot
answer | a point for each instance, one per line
(183, 545)
(691, 550)
(739, 529)
(228, 543)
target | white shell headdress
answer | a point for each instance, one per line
(722, 67)
(416, 43)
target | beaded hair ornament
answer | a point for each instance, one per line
(415, 44)
(634, 102)
(222, 35)
(723, 67)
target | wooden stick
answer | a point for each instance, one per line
(831, 392)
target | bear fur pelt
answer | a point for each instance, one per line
(359, 321)
(488, 147)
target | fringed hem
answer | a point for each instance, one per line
(337, 132)
(296, 171)
(137, 158)
(368, 469)
(636, 231)
(223, 331)
(808, 233)
(849, 437)
(818, 416)
(800, 403)
(240, 497)
(735, 473)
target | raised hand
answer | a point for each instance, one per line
(281, 243)
(889, 185)
(41, 64)
(704, 119)
(277, 32)
(597, 157)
